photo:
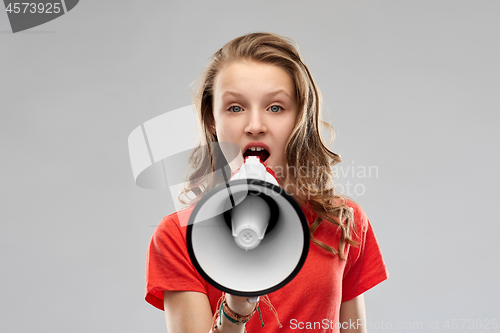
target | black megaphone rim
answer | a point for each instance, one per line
(293, 203)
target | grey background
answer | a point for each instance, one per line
(411, 87)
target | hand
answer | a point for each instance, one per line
(241, 305)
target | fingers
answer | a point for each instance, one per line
(240, 304)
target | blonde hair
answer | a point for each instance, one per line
(305, 145)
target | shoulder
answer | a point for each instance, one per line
(359, 216)
(366, 253)
(361, 222)
(179, 219)
(173, 225)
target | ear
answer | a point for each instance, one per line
(211, 126)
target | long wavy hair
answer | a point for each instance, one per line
(305, 148)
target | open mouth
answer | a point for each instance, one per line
(261, 153)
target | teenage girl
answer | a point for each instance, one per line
(257, 93)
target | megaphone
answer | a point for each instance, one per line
(247, 236)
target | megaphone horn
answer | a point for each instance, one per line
(248, 237)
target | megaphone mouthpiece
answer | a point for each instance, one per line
(253, 168)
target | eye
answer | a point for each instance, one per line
(235, 108)
(275, 108)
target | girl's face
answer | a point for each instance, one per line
(255, 108)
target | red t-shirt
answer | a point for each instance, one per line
(310, 301)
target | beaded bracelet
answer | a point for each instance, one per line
(234, 317)
(223, 308)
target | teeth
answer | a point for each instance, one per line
(256, 148)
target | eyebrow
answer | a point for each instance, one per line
(272, 93)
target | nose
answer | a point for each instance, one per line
(256, 123)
